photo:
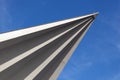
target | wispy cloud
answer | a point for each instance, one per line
(76, 68)
(118, 46)
(110, 77)
(116, 77)
(5, 17)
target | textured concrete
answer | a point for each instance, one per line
(41, 52)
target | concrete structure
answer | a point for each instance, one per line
(41, 52)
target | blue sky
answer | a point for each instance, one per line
(98, 55)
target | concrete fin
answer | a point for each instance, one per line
(41, 52)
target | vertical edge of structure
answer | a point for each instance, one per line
(55, 75)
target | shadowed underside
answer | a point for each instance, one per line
(41, 52)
